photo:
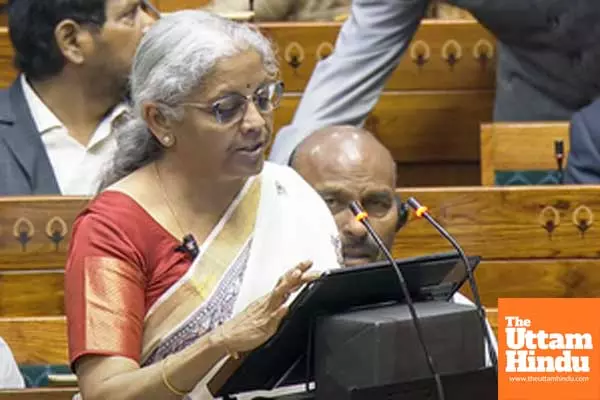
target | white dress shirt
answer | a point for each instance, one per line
(77, 168)
(10, 376)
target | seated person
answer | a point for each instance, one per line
(285, 10)
(10, 376)
(583, 162)
(347, 163)
(56, 119)
(148, 317)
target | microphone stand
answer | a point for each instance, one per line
(421, 211)
(361, 216)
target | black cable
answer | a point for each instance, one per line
(361, 216)
(422, 212)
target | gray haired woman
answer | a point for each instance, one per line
(183, 260)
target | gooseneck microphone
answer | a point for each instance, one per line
(362, 217)
(423, 212)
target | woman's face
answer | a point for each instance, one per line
(222, 133)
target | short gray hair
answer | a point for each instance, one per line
(174, 57)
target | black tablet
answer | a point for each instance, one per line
(280, 361)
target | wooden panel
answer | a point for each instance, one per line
(31, 293)
(463, 38)
(520, 147)
(302, 44)
(422, 126)
(174, 5)
(36, 219)
(437, 174)
(506, 222)
(7, 71)
(535, 278)
(39, 394)
(34, 341)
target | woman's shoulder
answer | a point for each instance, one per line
(114, 224)
(285, 175)
(120, 204)
(112, 209)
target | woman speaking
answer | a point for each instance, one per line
(152, 315)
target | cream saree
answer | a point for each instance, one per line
(276, 222)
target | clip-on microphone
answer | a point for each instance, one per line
(362, 217)
(422, 211)
(559, 154)
(189, 246)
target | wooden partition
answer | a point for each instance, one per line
(536, 241)
(507, 146)
(36, 340)
(34, 236)
(432, 106)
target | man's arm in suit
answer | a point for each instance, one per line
(345, 87)
(583, 163)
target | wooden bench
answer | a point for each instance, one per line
(39, 341)
(520, 147)
(537, 241)
(34, 236)
(36, 340)
(432, 105)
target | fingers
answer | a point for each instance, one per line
(311, 276)
(291, 281)
(304, 266)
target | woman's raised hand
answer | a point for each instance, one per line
(260, 320)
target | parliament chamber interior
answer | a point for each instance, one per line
(496, 186)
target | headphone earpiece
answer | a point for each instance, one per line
(403, 212)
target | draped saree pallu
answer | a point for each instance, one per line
(204, 297)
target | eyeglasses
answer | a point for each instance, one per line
(150, 9)
(231, 108)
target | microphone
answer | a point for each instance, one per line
(559, 155)
(189, 246)
(362, 217)
(422, 211)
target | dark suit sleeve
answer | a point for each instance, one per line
(583, 164)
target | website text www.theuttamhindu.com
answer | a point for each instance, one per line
(549, 379)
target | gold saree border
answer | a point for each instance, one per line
(196, 287)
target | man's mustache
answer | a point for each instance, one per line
(363, 247)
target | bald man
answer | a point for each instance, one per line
(347, 163)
